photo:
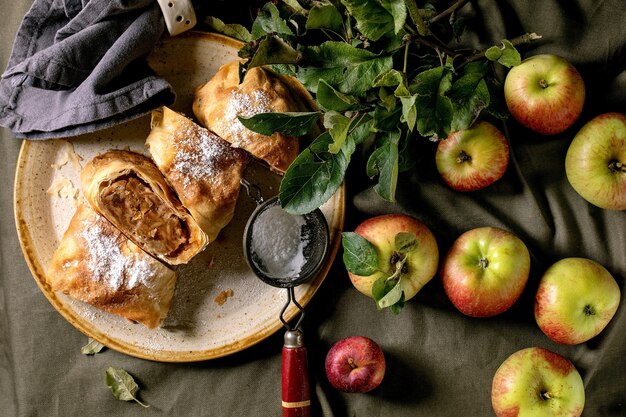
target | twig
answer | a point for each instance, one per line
(448, 11)
(522, 39)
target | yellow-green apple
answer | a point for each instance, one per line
(535, 382)
(355, 364)
(595, 163)
(575, 300)
(545, 93)
(474, 158)
(485, 271)
(390, 258)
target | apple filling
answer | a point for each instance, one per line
(133, 204)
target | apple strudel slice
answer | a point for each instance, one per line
(97, 264)
(204, 170)
(218, 102)
(129, 190)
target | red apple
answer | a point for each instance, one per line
(595, 163)
(575, 300)
(545, 93)
(401, 253)
(537, 382)
(485, 271)
(355, 364)
(471, 159)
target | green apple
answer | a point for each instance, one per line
(535, 382)
(595, 163)
(390, 258)
(575, 300)
(485, 271)
(545, 93)
(474, 158)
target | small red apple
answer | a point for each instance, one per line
(537, 382)
(474, 158)
(485, 271)
(575, 300)
(355, 364)
(545, 93)
(595, 163)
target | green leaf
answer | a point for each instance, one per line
(470, 96)
(295, 6)
(409, 111)
(404, 242)
(274, 50)
(337, 125)
(122, 385)
(398, 306)
(325, 16)
(314, 176)
(493, 54)
(269, 21)
(389, 78)
(384, 163)
(398, 11)
(434, 108)
(386, 120)
(386, 99)
(233, 30)
(372, 19)
(351, 70)
(92, 347)
(505, 55)
(392, 296)
(289, 123)
(359, 255)
(328, 98)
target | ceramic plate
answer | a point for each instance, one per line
(219, 306)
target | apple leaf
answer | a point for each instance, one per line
(470, 96)
(506, 55)
(272, 49)
(325, 16)
(384, 163)
(434, 108)
(359, 255)
(338, 126)
(330, 99)
(349, 69)
(122, 385)
(92, 347)
(388, 293)
(372, 19)
(269, 21)
(405, 242)
(314, 176)
(289, 123)
(233, 30)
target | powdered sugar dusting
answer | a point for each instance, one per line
(245, 105)
(198, 154)
(107, 262)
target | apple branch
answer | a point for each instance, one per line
(448, 11)
(520, 40)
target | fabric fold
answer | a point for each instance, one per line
(77, 67)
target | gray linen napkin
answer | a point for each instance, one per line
(77, 66)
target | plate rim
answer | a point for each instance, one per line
(37, 270)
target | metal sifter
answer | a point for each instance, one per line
(285, 250)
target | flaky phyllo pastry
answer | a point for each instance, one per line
(99, 265)
(204, 170)
(218, 102)
(129, 190)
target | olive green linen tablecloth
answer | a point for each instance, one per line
(439, 363)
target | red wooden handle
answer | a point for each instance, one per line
(295, 382)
